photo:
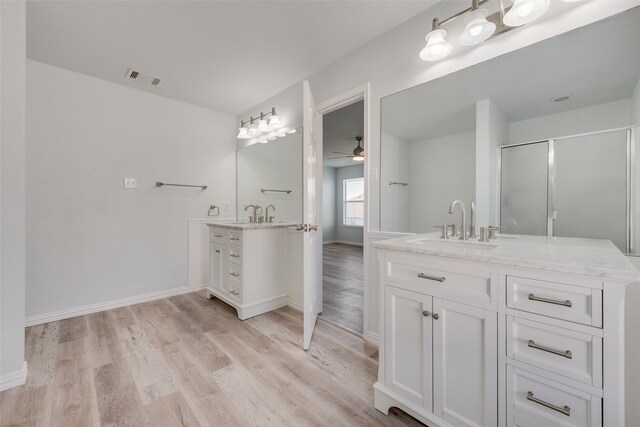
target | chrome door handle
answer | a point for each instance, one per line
(566, 303)
(565, 410)
(568, 354)
(437, 279)
(235, 292)
(235, 274)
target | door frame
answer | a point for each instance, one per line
(359, 93)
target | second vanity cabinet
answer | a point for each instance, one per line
(248, 268)
(471, 343)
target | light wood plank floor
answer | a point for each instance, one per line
(188, 361)
(342, 277)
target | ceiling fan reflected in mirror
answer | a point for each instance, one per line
(356, 156)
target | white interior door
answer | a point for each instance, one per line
(312, 211)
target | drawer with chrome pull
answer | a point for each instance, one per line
(217, 235)
(235, 238)
(235, 255)
(542, 402)
(424, 274)
(572, 354)
(559, 300)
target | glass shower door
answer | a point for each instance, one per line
(590, 197)
(523, 187)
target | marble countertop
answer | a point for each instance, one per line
(247, 226)
(590, 257)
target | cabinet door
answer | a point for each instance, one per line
(408, 338)
(218, 255)
(465, 359)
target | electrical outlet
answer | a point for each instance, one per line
(130, 183)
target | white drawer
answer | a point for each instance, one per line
(235, 255)
(235, 238)
(562, 301)
(234, 273)
(217, 235)
(424, 275)
(574, 355)
(541, 402)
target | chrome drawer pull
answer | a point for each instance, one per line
(234, 256)
(565, 410)
(217, 251)
(234, 238)
(566, 303)
(235, 274)
(217, 235)
(235, 292)
(437, 279)
(566, 354)
(426, 313)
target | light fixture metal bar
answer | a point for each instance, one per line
(459, 14)
(262, 116)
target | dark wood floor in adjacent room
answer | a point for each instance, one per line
(342, 277)
(188, 361)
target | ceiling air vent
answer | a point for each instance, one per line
(141, 77)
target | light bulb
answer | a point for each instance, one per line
(477, 28)
(525, 11)
(262, 126)
(274, 122)
(253, 129)
(437, 47)
(243, 133)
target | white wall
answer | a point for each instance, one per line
(611, 115)
(88, 239)
(491, 131)
(328, 204)
(442, 170)
(346, 233)
(12, 192)
(275, 165)
(396, 167)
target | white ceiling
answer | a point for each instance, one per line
(596, 64)
(224, 55)
(339, 131)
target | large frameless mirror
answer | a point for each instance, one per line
(270, 174)
(560, 118)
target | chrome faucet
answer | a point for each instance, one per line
(463, 226)
(268, 218)
(253, 219)
(472, 222)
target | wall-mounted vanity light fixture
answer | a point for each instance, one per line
(480, 26)
(256, 126)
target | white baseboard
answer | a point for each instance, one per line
(295, 305)
(103, 306)
(372, 338)
(14, 379)
(342, 242)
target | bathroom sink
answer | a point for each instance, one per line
(453, 243)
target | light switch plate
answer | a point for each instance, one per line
(130, 183)
(225, 206)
